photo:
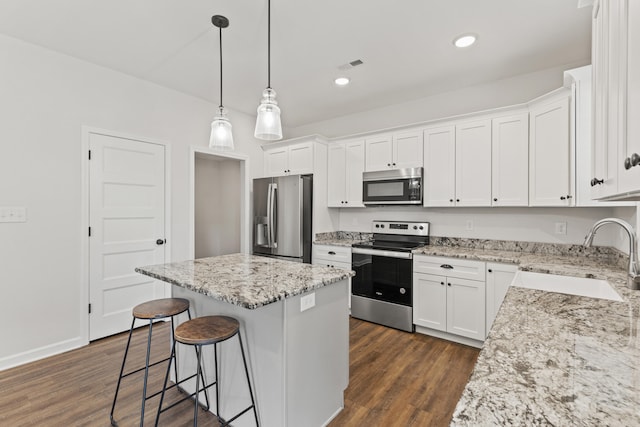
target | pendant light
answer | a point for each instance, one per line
(221, 136)
(268, 126)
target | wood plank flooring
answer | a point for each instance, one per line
(396, 379)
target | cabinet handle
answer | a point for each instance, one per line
(450, 200)
(563, 198)
(635, 159)
(332, 253)
(389, 164)
(448, 284)
(442, 283)
(495, 199)
(569, 196)
(395, 164)
(447, 266)
(490, 270)
(596, 181)
(457, 200)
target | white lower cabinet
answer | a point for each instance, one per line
(499, 277)
(451, 301)
(333, 256)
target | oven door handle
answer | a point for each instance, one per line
(377, 252)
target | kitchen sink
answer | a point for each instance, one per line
(593, 288)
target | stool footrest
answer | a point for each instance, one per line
(185, 398)
(224, 422)
(143, 368)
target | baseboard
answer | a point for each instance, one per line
(40, 353)
(449, 337)
(335, 414)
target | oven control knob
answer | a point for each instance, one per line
(381, 225)
(415, 227)
(421, 228)
(377, 225)
(403, 291)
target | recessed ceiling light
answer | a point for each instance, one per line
(465, 40)
(342, 81)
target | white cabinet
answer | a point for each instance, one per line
(453, 300)
(394, 151)
(294, 159)
(457, 161)
(499, 277)
(439, 166)
(333, 256)
(344, 178)
(473, 163)
(551, 163)
(616, 91)
(510, 160)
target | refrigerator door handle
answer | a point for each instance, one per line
(274, 216)
(271, 215)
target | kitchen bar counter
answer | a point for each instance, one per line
(294, 321)
(248, 281)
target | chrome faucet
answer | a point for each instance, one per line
(634, 269)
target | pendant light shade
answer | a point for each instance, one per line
(221, 136)
(268, 125)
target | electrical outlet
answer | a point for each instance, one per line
(308, 301)
(469, 224)
(561, 228)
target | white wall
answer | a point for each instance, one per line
(45, 99)
(217, 206)
(500, 93)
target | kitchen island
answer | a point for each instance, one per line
(294, 321)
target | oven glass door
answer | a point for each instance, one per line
(382, 278)
(401, 190)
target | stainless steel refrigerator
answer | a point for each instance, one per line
(282, 217)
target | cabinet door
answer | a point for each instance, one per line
(499, 277)
(276, 161)
(439, 166)
(407, 150)
(354, 152)
(510, 160)
(379, 153)
(629, 179)
(300, 158)
(336, 167)
(473, 164)
(549, 155)
(465, 308)
(430, 301)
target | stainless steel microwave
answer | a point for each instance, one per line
(392, 187)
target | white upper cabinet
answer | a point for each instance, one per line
(616, 103)
(344, 180)
(439, 166)
(294, 159)
(394, 151)
(510, 160)
(550, 156)
(473, 163)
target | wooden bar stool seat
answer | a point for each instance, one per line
(202, 331)
(151, 310)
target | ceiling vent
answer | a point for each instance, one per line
(350, 65)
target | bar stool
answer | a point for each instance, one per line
(204, 331)
(151, 310)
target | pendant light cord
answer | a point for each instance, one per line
(220, 67)
(269, 44)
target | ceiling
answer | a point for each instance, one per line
(406, 45)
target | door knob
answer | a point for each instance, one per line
(635, 159)
(596, 181)
(627, 163)
(160, 242)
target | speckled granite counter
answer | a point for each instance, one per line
(246, 280)
(341, 238)
(555, 359)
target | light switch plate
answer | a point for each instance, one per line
(13, 214)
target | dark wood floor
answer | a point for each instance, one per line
(396, 379)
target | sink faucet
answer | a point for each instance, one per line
(634, 269)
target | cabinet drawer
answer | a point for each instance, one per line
(450, 267)
(332, 254)
(334, 264)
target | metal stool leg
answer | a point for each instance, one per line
(198, 375)
(246, 371)
(124, 360)
(146, 374)
(166, 379)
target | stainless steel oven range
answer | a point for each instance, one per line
(382, 290)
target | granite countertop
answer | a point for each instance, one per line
(248, 281)
(555, 359)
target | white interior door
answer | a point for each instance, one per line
(127, 228)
